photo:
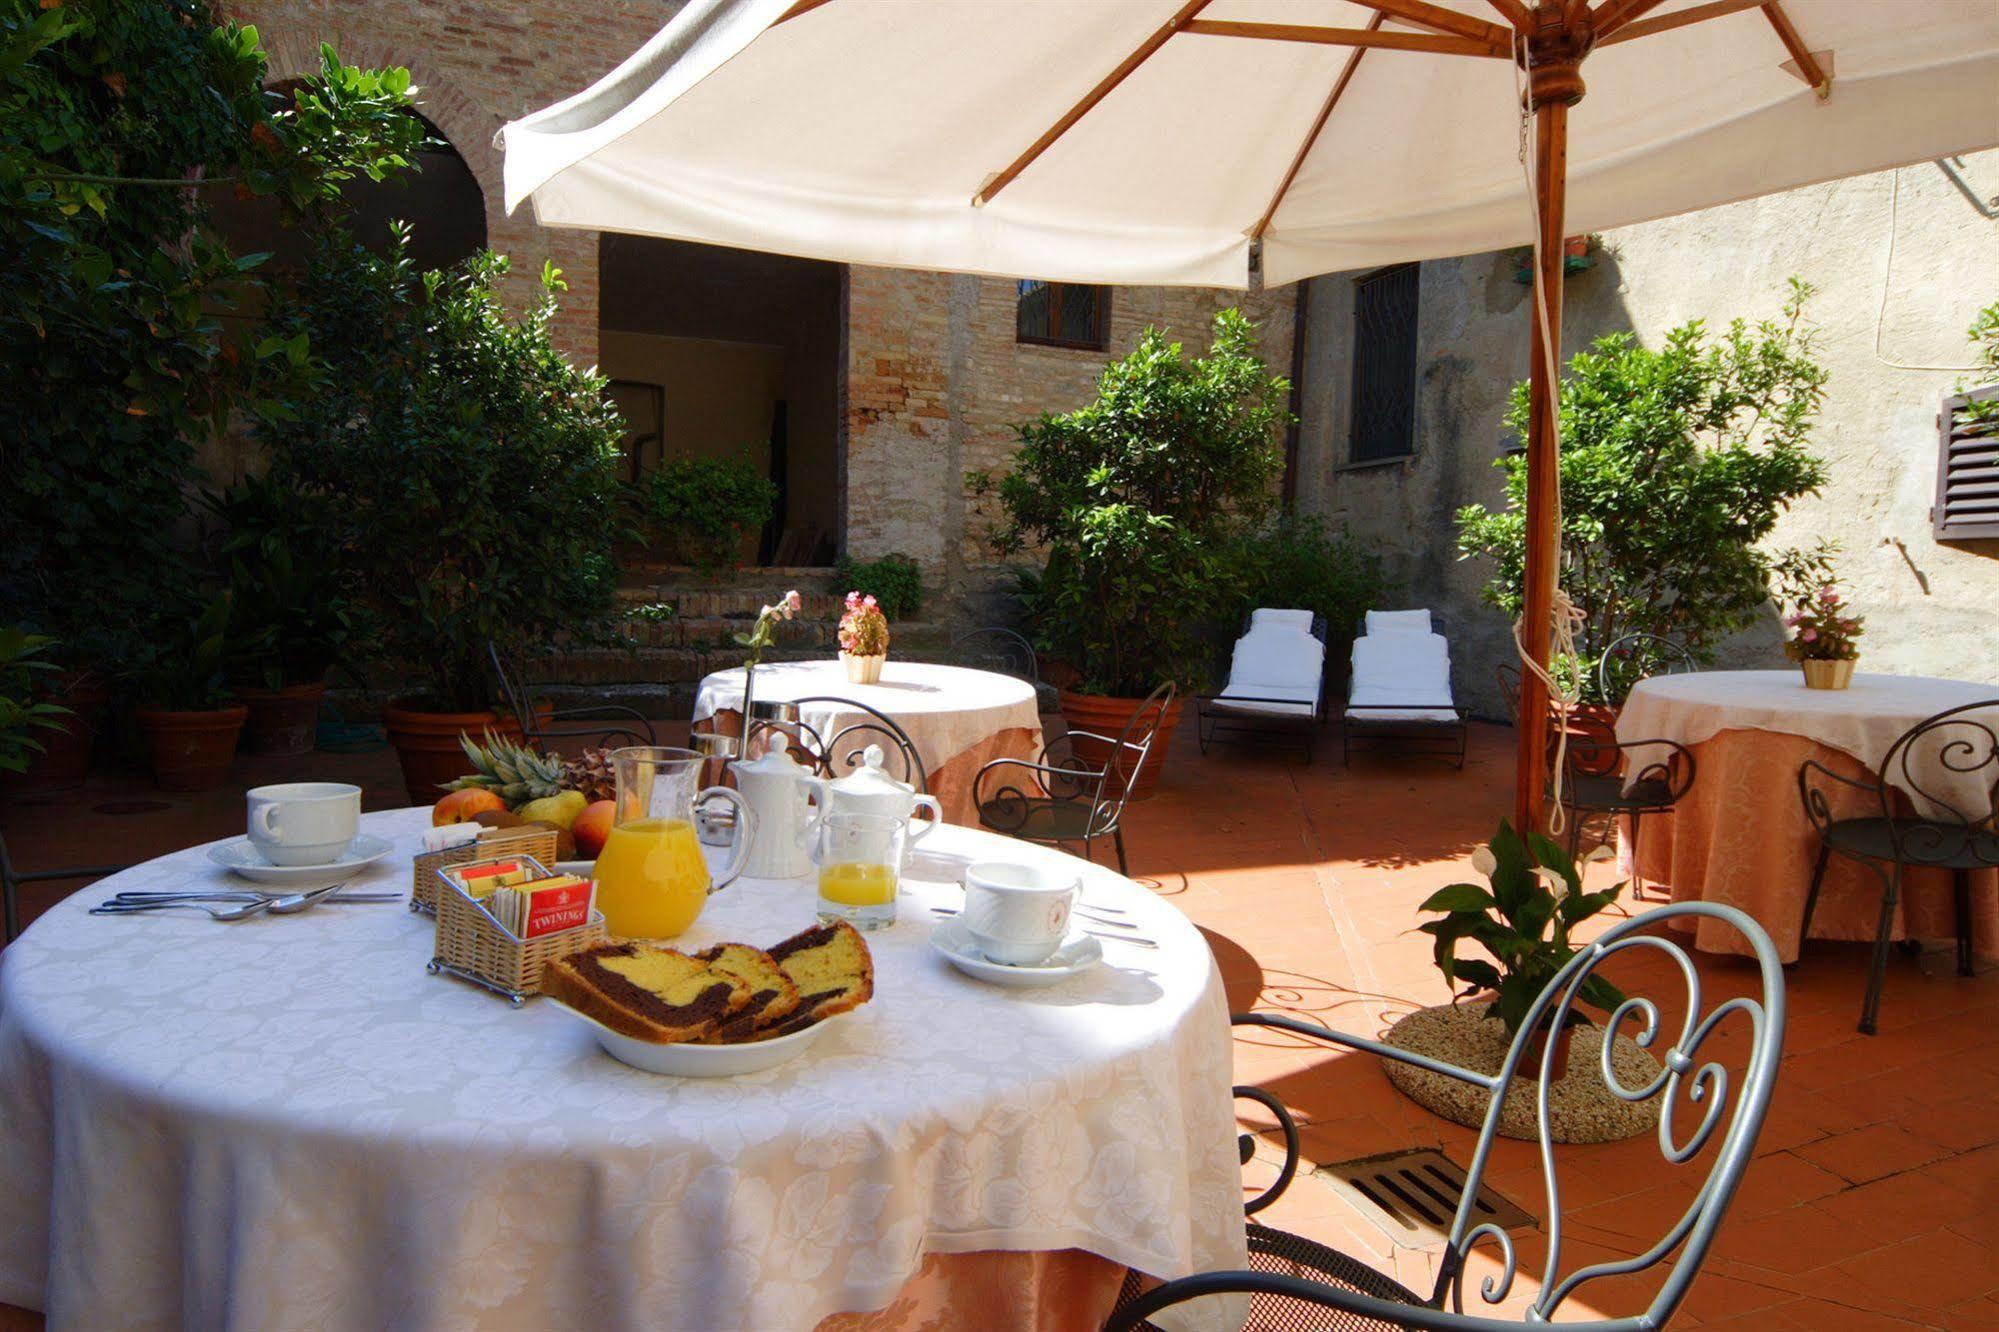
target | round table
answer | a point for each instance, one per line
(1740, 834)
(285, 1123)
(958, 719)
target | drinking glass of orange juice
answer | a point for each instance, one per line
(860, 856)
(652, 879)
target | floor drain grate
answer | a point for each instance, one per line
(1413, 1195)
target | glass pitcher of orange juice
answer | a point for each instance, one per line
(651, 877)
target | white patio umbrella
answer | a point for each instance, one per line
(1223, 142)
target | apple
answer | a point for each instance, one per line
(592, 827)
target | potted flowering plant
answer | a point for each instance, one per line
(863, 639)
(1823, 628)
(755, 641)
(1521, 916)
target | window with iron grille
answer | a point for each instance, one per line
(1384, 365)
(1967, 506)
(1063, 314)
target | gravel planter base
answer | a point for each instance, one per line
(1580, 1107)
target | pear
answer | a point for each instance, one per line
(559, 809)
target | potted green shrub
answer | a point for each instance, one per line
(1521, 916)
(701, 511)
(470, 477)
(290, 599)
(185, 711)
(1676, 463)
(1138, 501)
(23, 710)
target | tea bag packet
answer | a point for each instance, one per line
(543, 906)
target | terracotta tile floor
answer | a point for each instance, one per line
(1873, 1202)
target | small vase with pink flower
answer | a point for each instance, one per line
(1823, 626)
(863, 639)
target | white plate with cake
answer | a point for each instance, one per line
(723, 1011)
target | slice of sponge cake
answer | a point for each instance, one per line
(773, 996)
(833, 971)
(645, 991)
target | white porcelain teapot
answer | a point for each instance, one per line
(870, 790)
(780, 792)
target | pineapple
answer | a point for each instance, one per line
(592, 774)
(515, 773)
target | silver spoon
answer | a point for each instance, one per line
(285, 906)
(233, 912)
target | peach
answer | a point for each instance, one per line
(592, 826)
(461, 806)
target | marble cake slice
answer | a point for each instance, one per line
(646, 991)
(773, 997)
(833, 971)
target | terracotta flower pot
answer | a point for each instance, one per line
(427, 744)
(191, 751)
(65, 758)
(1108, 716)
(863, 670)
(283, 720)
(1827, 674)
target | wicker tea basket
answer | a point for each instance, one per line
(536, 843)
(473, 946)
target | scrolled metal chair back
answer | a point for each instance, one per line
(1128, 757)
(514, 698)
(1685, 1074)
(839, 751)
(1958, 746)
(1639, 656)
(999, 649)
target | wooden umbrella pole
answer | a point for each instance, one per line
(1555, 52)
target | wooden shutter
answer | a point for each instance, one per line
(1967, 470)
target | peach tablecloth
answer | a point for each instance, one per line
(1740, 836)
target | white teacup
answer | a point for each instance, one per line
(1018, 914)
(303, 823)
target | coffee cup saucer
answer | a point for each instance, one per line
(240, 856)
(1078, 953)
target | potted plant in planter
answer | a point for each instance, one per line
(289, 598)
(470, 476)
(863, 639)
(700, 511)
(1823, 628)
(185, 712)
(1521, 916)
(1138, 501)
(24, 711)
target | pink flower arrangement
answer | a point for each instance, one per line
(1824, 628)
(863, 627)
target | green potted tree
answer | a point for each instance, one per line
(290, 601)
(185, 711)
(1138, 501)
(1676, 463)
(24, 711)
(470, 475)
(701, 511)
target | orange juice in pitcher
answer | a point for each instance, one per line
(652, 879)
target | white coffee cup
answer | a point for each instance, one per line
(303, 823)
(1018, 914)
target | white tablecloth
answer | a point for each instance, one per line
(945, 710)
(285, 1123)
(1863, 721)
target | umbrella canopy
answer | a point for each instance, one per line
(1213, 142)
(863, 130)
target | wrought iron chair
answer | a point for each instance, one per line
(1896, 833)
(1001, 650)
(840, 750)
(1630, 778)
(1072, 799)
(11, 880)
(1295, 1283)
(626, 726)
(1640, 656)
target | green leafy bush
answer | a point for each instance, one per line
(186, 666)
(469, 469)
(1297, 562)
(288, 583)
(894, 581)
(1675, 463)
(1139, 500)
(22, 710)
(118, 123)
(700, 509)
(1522, 921)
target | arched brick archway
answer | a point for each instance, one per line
(293, 51)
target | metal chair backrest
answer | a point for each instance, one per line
(998, 649)
(1927, 825)
(1127, 757)
(1639, 656)
(1704, 1086)
(839, 751)
(1509, 689)
(513, 697)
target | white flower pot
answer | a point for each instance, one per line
(863, 670)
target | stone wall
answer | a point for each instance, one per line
(1932, 609)
(936, 383)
